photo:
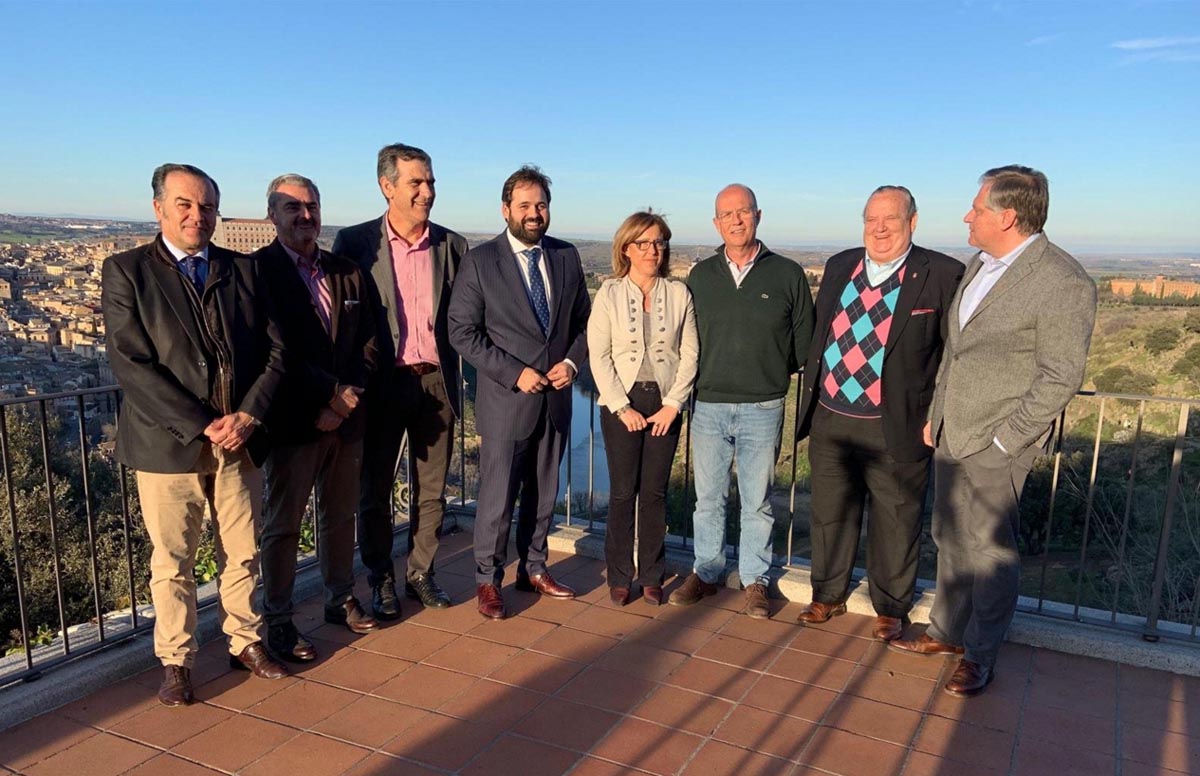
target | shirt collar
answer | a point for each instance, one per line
(1008, 258)
(754, 258)
(888, 265)
(422, 241)
(297, 259)
(181, 254)
(519, 247)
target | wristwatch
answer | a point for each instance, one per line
(621, 411)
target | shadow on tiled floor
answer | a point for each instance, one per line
(582, 687)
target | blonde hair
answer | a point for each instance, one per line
(629, 230)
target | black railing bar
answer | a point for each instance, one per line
(1160, 559)
(52, 508)
(592, 460)
(462, 435)
(1087, 509)
(1058, 437)
(91, 517)
(16, 536)
(59, 395)
(688, 507)
(1177, 635)
(1195, 602)
(568, 492)
(1137, 439)
(1139, 397)
(127, 528)
(795, 460)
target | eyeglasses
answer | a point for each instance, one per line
(744, 212)
(645, 245)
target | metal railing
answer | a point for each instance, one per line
(1110, 525)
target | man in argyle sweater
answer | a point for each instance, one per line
(867, 387)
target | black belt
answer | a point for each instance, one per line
(417, 370)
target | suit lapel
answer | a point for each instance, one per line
(1021, 267)
(506, 266)
(836, 279)
(916, 271)
(170, 281)
(973, 267)
(222, 287)
(385, 278)
(556, 269)
(337, 295)
(439, 248)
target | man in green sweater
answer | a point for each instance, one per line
(754, 313)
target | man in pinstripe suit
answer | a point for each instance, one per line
(518, 314)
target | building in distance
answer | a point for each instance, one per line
(244, 235)
(1158, 288)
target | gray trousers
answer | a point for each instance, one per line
(975, 522)
(506, 467)
(292, 471)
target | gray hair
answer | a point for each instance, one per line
(291, 179)
(1022, 189)
(911, 207)
(158, 181)
(749, 191)
(390, 155)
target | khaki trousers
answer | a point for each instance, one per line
(173, 509)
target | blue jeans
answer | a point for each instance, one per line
(721, 433)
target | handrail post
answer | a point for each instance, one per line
(1150, 633)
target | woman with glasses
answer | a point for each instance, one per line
(643, 351)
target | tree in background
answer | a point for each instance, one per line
(1162, 339)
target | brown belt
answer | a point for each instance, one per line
(417, 370)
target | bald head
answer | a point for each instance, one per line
(737, 218)
(738, 188)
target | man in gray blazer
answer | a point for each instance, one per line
(412, 263)
(519, 314)
(1019, 329)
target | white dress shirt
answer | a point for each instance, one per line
(517, 248)
(986, 278)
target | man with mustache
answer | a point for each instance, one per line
(412, 263)
(316, 422)
(519, 314)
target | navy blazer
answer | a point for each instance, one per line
(167, 358)
(913, 350)
(493, 326)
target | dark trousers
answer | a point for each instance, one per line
(292, 471)
(415, 405)
(639, 466)
(508, 467)
(849, 459)
(975, 522)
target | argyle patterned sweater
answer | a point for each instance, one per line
(853, 358)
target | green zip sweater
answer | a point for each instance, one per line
(753, 338)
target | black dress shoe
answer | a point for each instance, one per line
(256, 659)
(351, 615)
(176, 687)
(424, 589)
(286, 642)
(384, 601)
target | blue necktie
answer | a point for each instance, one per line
(537, 289)
(197, 272)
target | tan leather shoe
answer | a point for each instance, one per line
(969, 680)
(924, 645)
(816, 613)
(756, 605)
(691, 591)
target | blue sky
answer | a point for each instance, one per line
(623, 104)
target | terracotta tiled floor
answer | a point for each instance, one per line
(584, 688)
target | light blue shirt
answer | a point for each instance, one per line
(878, 272)
(740, 273)
(986, 278)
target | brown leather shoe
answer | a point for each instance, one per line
(491, 603)
(653, 595)
(176, 687)
(756, 605)
(969, 680)
(545, 585)
(619, 595)
(924, 645)
(352, 616)
(888, 628)
(257, 659)
(691, 591)
(816, 613)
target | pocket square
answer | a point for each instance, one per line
(349, 303)
(923, 311)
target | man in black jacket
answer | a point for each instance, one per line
(194, 347)
(867, 387)
(316, 422)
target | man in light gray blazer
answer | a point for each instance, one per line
(519, 315)
(1019, 329)
(412, 262)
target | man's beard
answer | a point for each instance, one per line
(528, 235)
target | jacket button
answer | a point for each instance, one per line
(201, 364)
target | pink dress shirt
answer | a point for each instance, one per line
(314, 279)
(412, 266)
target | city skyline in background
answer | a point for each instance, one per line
(624, 106)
